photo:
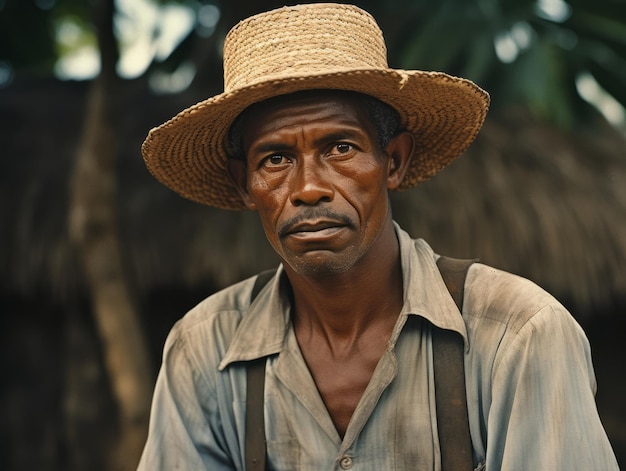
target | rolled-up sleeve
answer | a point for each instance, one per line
(543, 413)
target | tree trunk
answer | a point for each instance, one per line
(93, 222)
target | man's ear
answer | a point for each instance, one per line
(400, 150)
(238, 173)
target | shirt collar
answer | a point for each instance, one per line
(425, 293)
(262, 331)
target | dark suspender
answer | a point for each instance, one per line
(255, 417)
(455, 442)
(448, 351)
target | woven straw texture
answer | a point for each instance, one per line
(306, 47)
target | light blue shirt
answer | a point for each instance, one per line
(530, 382)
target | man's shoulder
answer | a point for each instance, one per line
(505, 313)
(497, 296)
(218, 315)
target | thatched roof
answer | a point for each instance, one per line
(535, 200)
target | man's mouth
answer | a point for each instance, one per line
(315, 223)
(313, 228)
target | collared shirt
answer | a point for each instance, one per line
(529, 378)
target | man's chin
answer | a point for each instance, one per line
(320, 263)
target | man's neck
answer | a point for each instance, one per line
(343, 323)
(343, 306)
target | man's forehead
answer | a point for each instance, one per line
(343, 112)
(305, 104)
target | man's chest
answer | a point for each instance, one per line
(341, 377)
(392, 426)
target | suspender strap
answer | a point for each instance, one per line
(255, 418)
(448, 350)
(255, 385)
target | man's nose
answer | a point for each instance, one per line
(310, 185)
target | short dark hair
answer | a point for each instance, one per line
(386, 121)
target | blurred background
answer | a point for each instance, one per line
(97, 260)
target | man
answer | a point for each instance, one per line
(312, 131)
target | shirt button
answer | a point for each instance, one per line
(345, 462)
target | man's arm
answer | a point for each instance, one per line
(184, 430)
(543, 413)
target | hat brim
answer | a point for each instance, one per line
(189, 153)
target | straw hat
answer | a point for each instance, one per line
(305, 47)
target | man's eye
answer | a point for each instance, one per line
(275, 160)
(343, 148)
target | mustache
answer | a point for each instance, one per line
(312, 214)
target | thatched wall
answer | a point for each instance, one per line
(535, 200)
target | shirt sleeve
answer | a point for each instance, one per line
(543, 413)
(184, 431)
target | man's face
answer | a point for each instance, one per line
(318, 178)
